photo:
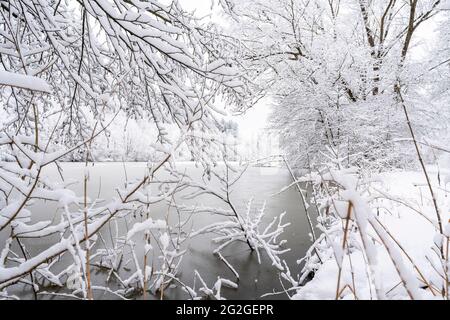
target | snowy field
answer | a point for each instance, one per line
(402, 204)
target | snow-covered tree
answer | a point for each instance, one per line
(68, 70)
(333, 68)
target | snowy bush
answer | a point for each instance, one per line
(369, 243)
(69, 70)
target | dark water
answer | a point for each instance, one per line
(257, 183)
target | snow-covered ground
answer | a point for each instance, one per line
(402, 204)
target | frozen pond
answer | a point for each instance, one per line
(259, 183)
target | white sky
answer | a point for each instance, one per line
(255, 119)
(201, 7)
